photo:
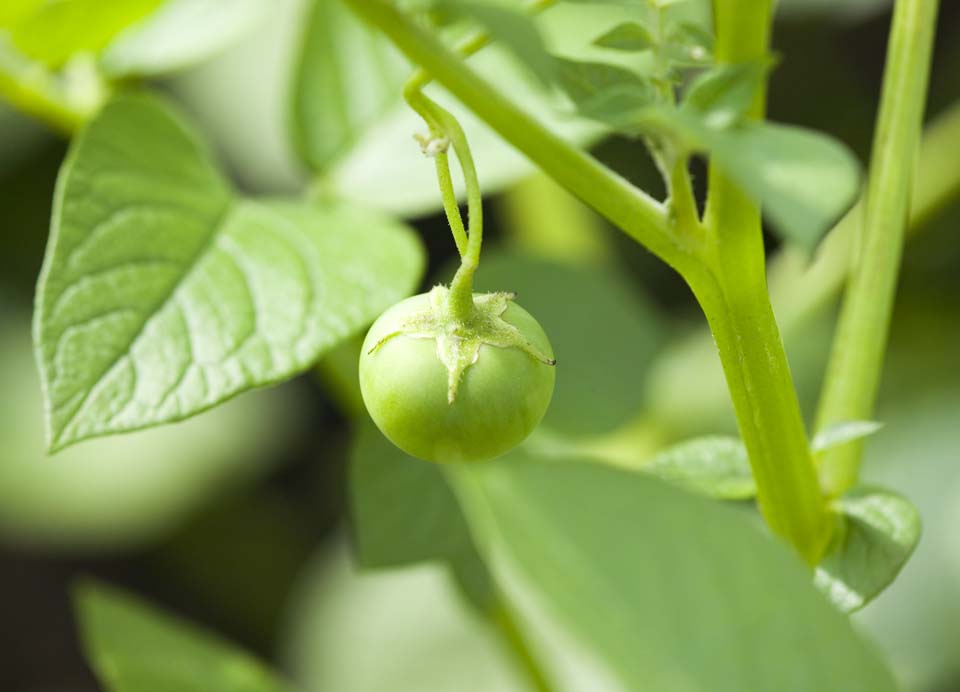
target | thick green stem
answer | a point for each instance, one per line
(853, 374)
(767, 411)
(474, 43)
(738, 309)
(800, 290)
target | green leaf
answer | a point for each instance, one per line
(515, 30)
(628, 36)
(13, 11)
(135, 647)
(877, 534)
(804, 180)
(162, 294)
(54, 31)
(404, 512)
(664, 589)
(180, 33)
(331, 107)
(688, 45)
(607, 93)
(721, 97)
(600, 369)
(381, 166)
(841, 433)
(715, 466)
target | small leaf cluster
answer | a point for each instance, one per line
(661, 83)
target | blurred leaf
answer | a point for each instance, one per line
(721, 96)
(603, 331)
(385, 168)
(607, 93)
(163, 295)
(12, 11)
(404, 512)
(666, 590)
(514, 30)
(804, 180)
(244, 100)
(688, 45)
(628, 36)
(397, 630)
(54, 31)
(122, 491)
(180, 33)
(135, 647)
(878, 533)
(841, 433)
(917, 622)
(331, 106)
(714, 466)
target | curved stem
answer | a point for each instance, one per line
(636, 213)
(853, 374)
(450, 205)
(443, 123)
(461, 288)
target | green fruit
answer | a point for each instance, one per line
(448, 391)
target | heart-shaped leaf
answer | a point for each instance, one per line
(162, 294)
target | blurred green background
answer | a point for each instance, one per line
(237, 518)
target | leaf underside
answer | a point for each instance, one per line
(664, 590)
(879, 532)
(715, 466)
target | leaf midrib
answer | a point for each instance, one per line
(56, 440)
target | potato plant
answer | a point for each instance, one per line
(583, 509)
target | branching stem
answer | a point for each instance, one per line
(723, 263)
